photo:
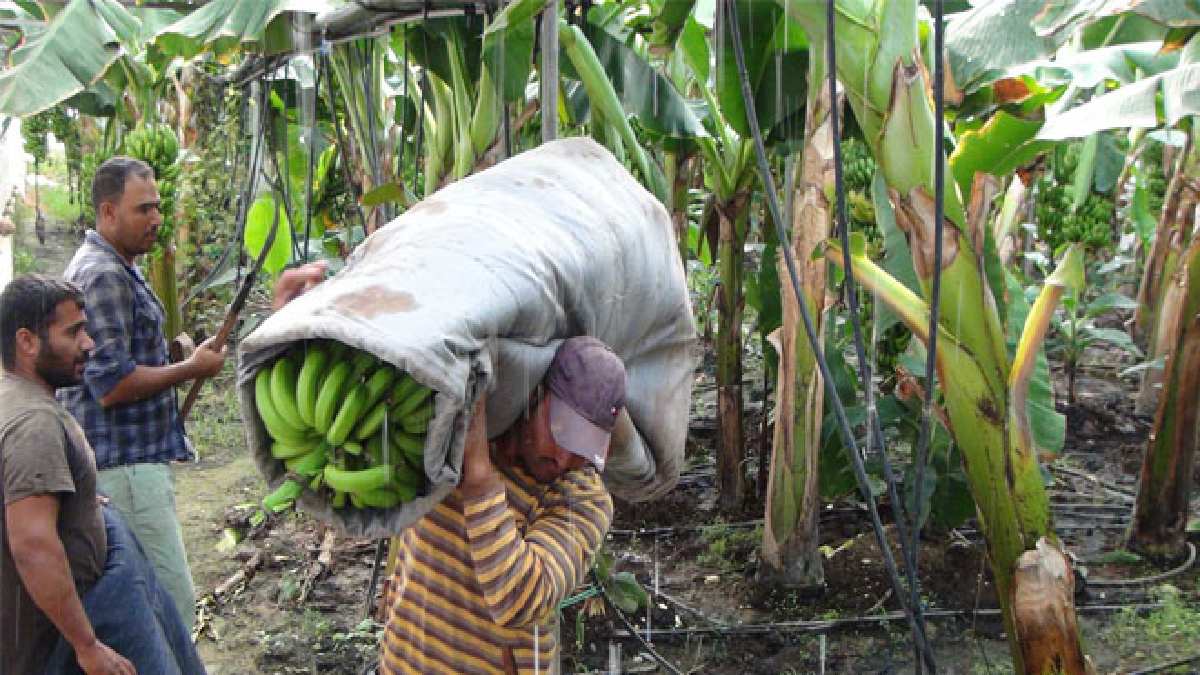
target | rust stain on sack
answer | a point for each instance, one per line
(430, 207)
(374, 300)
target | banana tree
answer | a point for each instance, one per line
(1161, 512)
(984, 392)
(1167, 293)
(776, 57)
(790, 548)
(462, 72)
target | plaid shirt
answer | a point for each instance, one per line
(125, 320)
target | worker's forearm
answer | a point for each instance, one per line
(46, 575)
(146, 381)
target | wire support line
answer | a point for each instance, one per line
(312, 160)
(908, 546)
(843, 423)
(935, 291)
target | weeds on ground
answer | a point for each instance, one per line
(1170, 632)
(729, 548)
(221, 432)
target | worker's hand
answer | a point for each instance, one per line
(207, 360)
(296, 281)
(479, 474)
(100, 659)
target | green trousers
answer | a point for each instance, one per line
(145, 496)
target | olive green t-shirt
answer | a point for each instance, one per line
(43, 451)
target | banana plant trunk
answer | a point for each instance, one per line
(1165, 298)
(731, 483)
(1152, 274)
(161, 272)
(790, 554)
(1161, 512)
(886, 84)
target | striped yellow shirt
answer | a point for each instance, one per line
(484, 575)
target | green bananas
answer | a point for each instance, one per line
(345, 426)
(156, 145)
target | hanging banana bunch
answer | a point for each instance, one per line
(156, 145)
(345, 425)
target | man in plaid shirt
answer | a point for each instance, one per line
(126, 403)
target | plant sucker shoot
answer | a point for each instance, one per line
(790, 552)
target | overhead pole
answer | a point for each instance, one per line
(549, 94)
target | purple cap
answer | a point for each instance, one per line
(587, 391)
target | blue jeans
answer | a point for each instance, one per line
(131, 613)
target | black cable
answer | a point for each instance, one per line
(312, 160)
(404, 128)
(875, 439)
(423, 84)
(343, 158)
(256, 148)
(839, 410)
(935, 293)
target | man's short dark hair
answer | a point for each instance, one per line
(109, 183)
(29, 302)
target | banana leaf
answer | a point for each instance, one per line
(1120, 29)
(643, 91)
(427, 45)
(1048, 427)
(259, 220)
(999, 147)
(985, 42)
(776, 54)
(694, 45)
(1132, 106)
(73, 52)
(669, 22)
(1064, 16)
(508, 47)
(1086, 69)
(222, 26)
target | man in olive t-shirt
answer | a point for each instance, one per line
(52, 533)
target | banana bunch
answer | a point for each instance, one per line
(345, 425)
(156, 145)
(858, 166)
(1090, 225)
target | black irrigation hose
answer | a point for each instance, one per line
(632, 630)
(1168, 665)
(935, 293)
(843, 423)
(1153, 579)
(908, 547)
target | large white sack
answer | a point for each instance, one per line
(478, 284)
